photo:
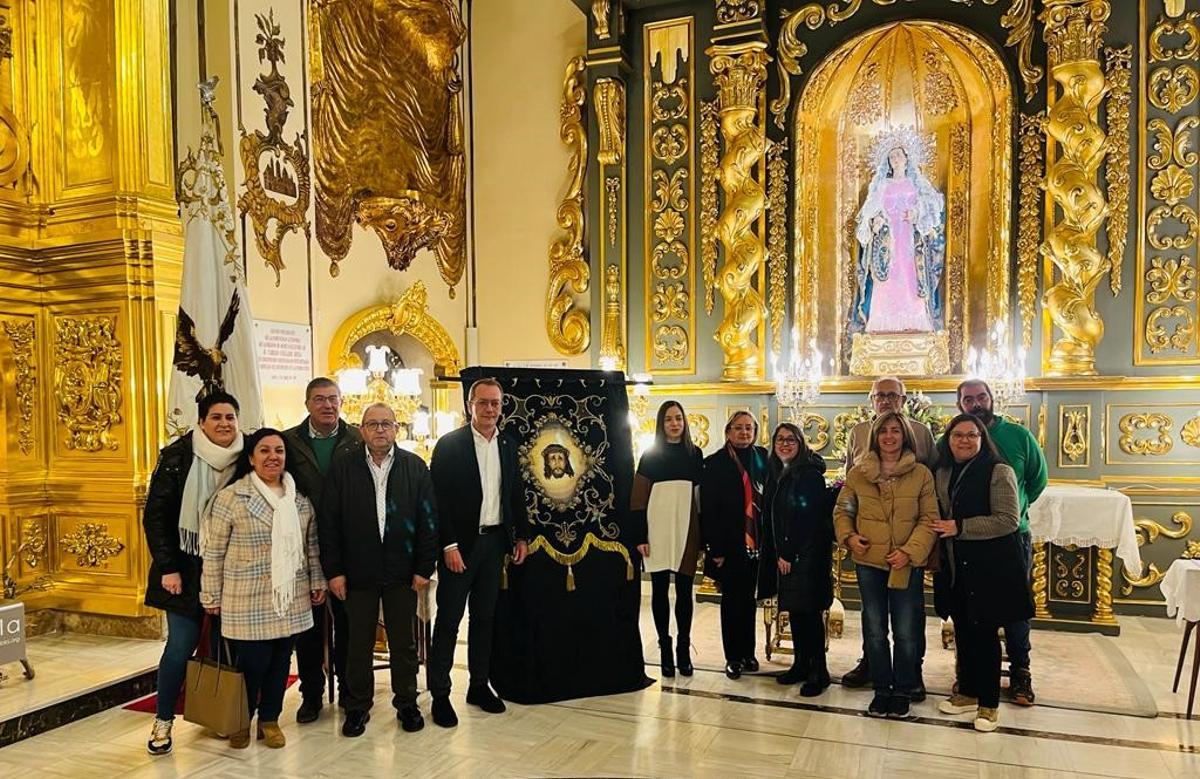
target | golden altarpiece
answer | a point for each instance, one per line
(899, 186)
(895, 183)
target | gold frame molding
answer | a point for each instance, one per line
(409, 315)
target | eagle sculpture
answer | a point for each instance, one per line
(192, 359)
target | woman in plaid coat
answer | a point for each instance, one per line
(262, 574)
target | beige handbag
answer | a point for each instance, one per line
(216, 695)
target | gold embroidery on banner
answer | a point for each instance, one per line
(1157, 423)
(21, 334)
(540, 544)
(568, 327)
(286, 173)
(91, 544)
(87, 380)
(1119, 74)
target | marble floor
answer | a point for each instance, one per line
(703, 726)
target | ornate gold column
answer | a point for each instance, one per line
(740, 72)
(568, 327)
(89, 283)
(1076, 149)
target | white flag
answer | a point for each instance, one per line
(214, 337)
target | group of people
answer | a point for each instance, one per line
(279, 541)
(767, 522)
(275, 539)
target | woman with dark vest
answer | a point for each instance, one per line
(800, 514)
(191, 470)
(983, 562)
(667, 529)
(738, 550)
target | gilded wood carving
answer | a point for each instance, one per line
(1031, 182)
(710, 206)
(277, 192)
(91, 544)
(87, 380)
(1148, 532)
(1119, 74)
(1157, 423)
(409, 315)
(1074, 29)
(387, 128)
(568, 327)
(21, 335)
(1074, 428)
(609, 100)
(778, 184)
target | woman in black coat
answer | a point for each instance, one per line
(189, 473)
(737, 543)
(983, 562)
(800, 513)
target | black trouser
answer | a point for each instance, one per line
(264, 666)
(660, 605)
(310, 651)
(978, 654)
(362, 617)
(739, 577)
(477, 587)
(808, 641)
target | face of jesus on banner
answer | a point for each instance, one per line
(557, 463)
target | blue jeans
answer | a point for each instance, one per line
(183, 633)
(1016, 634)
(892, 670)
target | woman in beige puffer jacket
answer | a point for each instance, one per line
(884, 516)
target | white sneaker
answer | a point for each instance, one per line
(987, 719)
(160, 737)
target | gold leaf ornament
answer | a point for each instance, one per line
(1172, 89)
(1158, 424)
(1172, 184)
(1190, 432)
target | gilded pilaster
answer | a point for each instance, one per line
(568, 327)
(740, 72)
(1074, 30)
(611, 157)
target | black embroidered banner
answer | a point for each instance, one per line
(567, 622)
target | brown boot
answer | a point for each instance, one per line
(240, 740)
(271, 735)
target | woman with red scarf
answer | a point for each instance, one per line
(739, 554)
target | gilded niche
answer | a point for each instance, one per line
(87, 380)
(387, 128)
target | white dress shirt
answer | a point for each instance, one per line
(487, 454)
(380, 474)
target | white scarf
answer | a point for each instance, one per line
(287, 544)
(212, 466)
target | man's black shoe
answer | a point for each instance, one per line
(793, 675)
(443, 712)
(733, 669)
(308, 712)
(858, 676)
(410, 718)
(750, 665)
(356, 723)
(484, 698)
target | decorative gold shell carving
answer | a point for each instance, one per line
(409, 315)
(1191, 551)
(1119, 75)
(740, 72)
(1029, 218)
(91, 544)
(87, 380)
(287, 172)
(387, 129)
(1190, 432)
(1073, 34)
(21, 335)
(568, 327)
(1157, 423)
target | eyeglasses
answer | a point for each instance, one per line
(377, 424)
(320, 400)
(787, 440)
(965, 436)
(888, 396)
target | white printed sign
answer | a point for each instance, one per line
(284, 353)
(12, 632)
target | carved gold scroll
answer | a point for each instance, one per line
(568, 327)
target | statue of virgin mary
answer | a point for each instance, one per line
(901, 231)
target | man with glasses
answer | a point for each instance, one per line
(312, 447)
(1021, 451)
(887, 394)
(482, 507)
(379, 542)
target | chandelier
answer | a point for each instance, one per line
(798, 383)
(385, 381)
(997, 365)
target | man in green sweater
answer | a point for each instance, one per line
(1021, 451)
(312, 446)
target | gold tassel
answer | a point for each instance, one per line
(504, 574)
(628, 570)
(570, 579)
